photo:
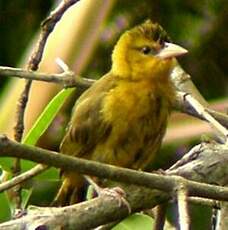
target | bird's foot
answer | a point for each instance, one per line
(117, 193)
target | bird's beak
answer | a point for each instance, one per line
(171, 50)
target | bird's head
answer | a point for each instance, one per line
(145, 52)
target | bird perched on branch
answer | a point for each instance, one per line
(121, 119)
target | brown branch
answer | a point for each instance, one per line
(22, 177)
(160, 215)
(206, 202)
(207, 163)
(202, 112)
(14, 149)
(222, 217)
(33, 64)
(47, 27)
(184, 106)
(183, 83)
(35, 58)
(66, 79)
(86, 215)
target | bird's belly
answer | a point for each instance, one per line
(138, 119)
(133, 141)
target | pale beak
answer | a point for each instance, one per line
(171, 50)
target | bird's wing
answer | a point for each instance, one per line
(87, 127)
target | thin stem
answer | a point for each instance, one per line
(33, 64)
(183, 207)
(22, 177)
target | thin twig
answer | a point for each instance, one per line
(22, 177)
(183, 207)
(33, 64)
(18, 133)
(35, 58)
(47, 27)
(67, 78)
(204, 201)
(223, 132)
(221, 117)
(160, 213)
(183, 83)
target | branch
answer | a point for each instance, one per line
(66, 79)
(87, 215)
(33, 64)
(68, 163)
(22, 177)
(204, 163)
(182, 196)
(35, 58)
(183, 83)
(47, 27)
(206, 202)
(190, 101)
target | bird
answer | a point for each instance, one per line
(121, 119)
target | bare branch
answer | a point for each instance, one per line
(207, 163)
(213, 154)
(185, 105)
(183, 207)
(67, 79)
(183, 83)
(33, 64)
(22, 177)
(47, 27)
(204, 201)
(223, 132)
(86, 215)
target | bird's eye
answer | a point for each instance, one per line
(146, 50)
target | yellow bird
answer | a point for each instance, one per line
(121, 119)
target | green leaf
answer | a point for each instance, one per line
(31, 138)
(46, 117)
(25, 195)
(37, 130)
(90, 193)
(136, 221)
(5, 211)
(6, 163)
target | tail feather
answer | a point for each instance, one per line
(71, 190)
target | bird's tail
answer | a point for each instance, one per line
(71, 190)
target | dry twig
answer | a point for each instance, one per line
(33, 64)
(183, 207)
(197, 168)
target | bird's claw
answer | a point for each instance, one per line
(119, 194)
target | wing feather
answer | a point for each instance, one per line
(87, 126)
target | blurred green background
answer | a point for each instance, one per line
(199, 26)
